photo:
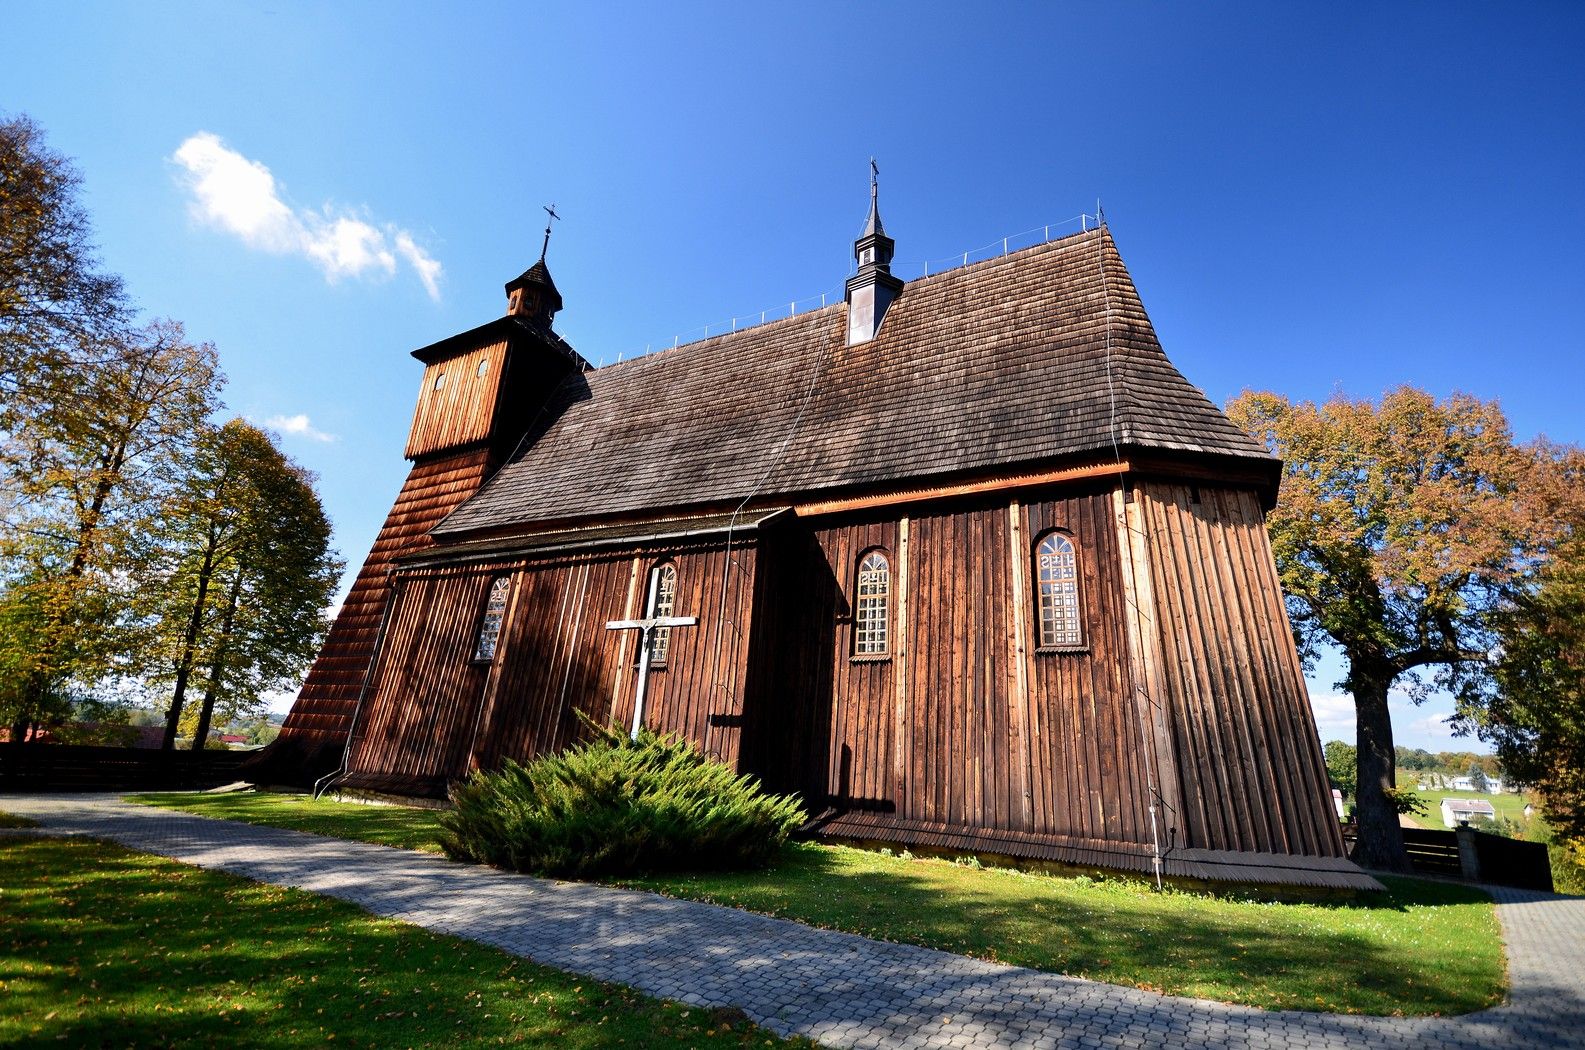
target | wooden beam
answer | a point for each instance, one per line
(1020, 746)
(1007, 484)
(1143, 634)
(900, 670)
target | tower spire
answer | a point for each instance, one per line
(871, 290)
(532, 294)
(873, 226)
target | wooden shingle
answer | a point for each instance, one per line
(1035, 356)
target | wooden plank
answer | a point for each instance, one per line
(1013, 483)
(462, 411)
(1142, 633)
(900, 669)
(1018, 661)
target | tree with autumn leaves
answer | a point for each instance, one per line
(112, 471)
(1419, 540)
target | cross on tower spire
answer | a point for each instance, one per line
(550, 210)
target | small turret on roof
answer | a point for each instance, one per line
(871, 291)
(532, 294)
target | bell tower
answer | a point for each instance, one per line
(480, 392)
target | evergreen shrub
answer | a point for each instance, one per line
(615, 807)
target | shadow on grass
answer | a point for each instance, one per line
(1420, 948)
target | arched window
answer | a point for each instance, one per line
(490, 624)
(871, 612)
(662, 600)
(1057, 575)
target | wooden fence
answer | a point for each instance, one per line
(1496, 859)
(35, 768)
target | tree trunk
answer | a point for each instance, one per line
(1380, 838)
(217, 666)
(184, 666)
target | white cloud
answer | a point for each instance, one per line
(428, 268)
(298, 426)
(240, 196)
(1334, 715)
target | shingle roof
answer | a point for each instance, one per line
(1038, 355)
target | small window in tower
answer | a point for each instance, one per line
(662, 600)
(1057, 577)
(484, 366)
(440, 380)
(872, 610)
(490, 623)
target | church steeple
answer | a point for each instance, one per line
(871, 291)
(532, 294)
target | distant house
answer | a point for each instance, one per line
(1456, 811)
(233, 738)
(1337, 804)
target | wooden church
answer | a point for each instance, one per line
(964, 561)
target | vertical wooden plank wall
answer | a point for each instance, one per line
(1187, 680)
(425, 693)
(861, 769)
(462, 411)
(983, 730)
(1250, 769)
(322, 715)
(1089, 774)
(433, 714)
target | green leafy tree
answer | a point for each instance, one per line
(56, 306)
(1534, 710)
(89, 461)
(1342, 762)
(248, 573)
(1417, 759)
(1403, 533)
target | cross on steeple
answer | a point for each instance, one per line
(550, 210)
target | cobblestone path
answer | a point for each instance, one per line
(840, 989)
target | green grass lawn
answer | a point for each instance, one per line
(1421, 948)
(405, 827)
(103, 946)
(11, 820)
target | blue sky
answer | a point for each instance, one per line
(1312, 199)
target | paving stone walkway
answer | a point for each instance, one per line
(839, 989)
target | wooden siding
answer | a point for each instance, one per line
(319, 720)
(1251, 773)
(462, 411)
(433, 714)
(1186, 692)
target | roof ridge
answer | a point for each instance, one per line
(765, 327)
(1065, 241)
